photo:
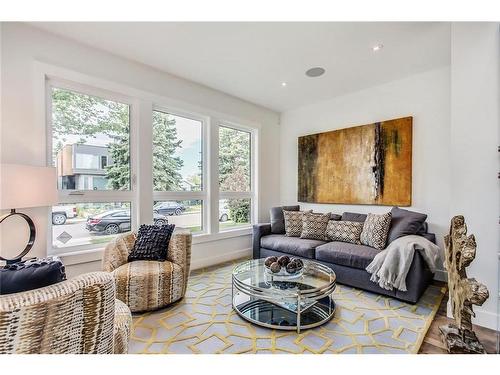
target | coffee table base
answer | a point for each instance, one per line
(269, 315)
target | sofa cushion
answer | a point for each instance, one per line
(352, 216)
(291, 245)
(375, 230)
(346, 254)
(405, 223)
(278, 219)
(314, 226)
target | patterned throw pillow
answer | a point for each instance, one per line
(152, 242)
(375, 230)
(314, 225)
(344, 231)
(293, 222)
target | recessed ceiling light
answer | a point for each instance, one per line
(315, 72)
(283, 84)
(377, 47)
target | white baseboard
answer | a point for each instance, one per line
(486, 319)
(214, 260)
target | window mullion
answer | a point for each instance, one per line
(213, 139)
(143, 185)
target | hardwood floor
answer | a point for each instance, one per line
(432, 342)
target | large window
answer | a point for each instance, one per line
(90, 142)
(123, 161)
(178, 169)
(235, 177)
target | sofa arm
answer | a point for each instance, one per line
(259, 230)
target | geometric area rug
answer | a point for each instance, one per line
(204, 322)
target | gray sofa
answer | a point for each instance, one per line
(346, 259)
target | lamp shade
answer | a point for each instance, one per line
(27, 186)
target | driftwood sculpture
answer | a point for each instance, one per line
(460, 251)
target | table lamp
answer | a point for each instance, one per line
(23, 186)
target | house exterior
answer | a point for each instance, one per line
(82, 167)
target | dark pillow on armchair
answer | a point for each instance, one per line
(405, 223)
(31, 274)
(278, 219)
(152, 242)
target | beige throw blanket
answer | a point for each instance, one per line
(390, 267)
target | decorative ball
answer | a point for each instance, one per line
(298, 261)
(275, 267)
(283, 260)
(291, 268)
(270, 260)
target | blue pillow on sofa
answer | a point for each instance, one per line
(31, 274)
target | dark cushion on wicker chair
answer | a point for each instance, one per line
(152, 242)
(31, 274)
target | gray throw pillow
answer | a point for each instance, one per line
(375, 230)
(352, 216)
(278, 219)
(405, 223)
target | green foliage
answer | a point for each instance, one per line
(234, 160)
(75, 114)
(234, 170)
(239, 210)
(85, 115)
(166, 167)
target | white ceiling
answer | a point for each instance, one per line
(251, 60)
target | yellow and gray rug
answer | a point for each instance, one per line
(204, 322)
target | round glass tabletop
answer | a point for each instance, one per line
(284, 302)
(316, 280)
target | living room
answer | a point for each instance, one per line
(249, 187)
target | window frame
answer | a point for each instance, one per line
(141, 103)
(75, 196)
(251, 194)
(202, 195)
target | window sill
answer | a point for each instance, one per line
(93, 255)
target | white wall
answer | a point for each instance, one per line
(474, 141)
(425, 97)
(23, 136)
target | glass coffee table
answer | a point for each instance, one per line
(284, 302)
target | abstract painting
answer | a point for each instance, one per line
(368, 164)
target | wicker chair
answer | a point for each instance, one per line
(77, 316)
(149, 285)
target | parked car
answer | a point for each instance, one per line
(223, 214)
(116, 221)
(169, 208)
(61, 213)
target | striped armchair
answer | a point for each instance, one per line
(149, 285)
(77, 316)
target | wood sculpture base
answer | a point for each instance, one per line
(456, 344)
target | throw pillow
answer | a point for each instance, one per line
(293, 222)
(375, 230)
(344, 231)
(278, 218)
(405, 223)
(152, 242)
(353, 216)
(314, 225)
(31, 274)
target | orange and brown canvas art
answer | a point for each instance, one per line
(368, 164)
